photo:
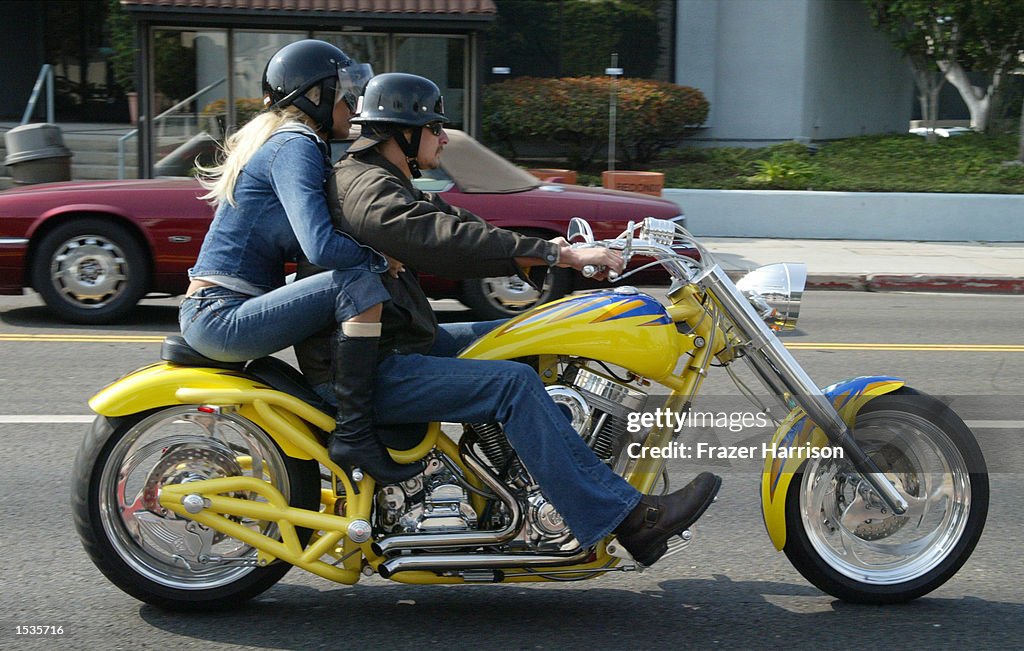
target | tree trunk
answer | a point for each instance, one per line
(929, 82)
(978, 102)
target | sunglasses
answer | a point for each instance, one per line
(435, 127)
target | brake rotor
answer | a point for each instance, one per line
(195, 460)
(871, 523)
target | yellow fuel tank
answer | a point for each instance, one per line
(623, 326)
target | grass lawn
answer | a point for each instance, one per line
(885, 163)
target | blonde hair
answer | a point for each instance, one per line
(219, 179)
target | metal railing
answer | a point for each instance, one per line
(45, 75)
(159, 119)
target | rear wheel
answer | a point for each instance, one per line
(842, 538)
(152, 553)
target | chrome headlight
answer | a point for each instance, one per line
(775, 291)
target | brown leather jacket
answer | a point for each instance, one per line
(371, 200)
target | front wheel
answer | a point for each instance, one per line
(152, 553)
(842, 538)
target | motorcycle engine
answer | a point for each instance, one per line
(433, 501)
(598, 407)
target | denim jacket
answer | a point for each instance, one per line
(281, 213)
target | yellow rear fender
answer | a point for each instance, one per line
(162, 385)
(797, 432)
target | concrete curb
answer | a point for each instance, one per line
(962, 284)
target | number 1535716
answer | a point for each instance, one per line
(39, 630)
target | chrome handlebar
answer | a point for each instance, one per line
(651, 238)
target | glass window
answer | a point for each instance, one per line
(364, 48)
(189, 91)
(251, 52)
(441, 59)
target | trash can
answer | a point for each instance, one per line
(36, 154)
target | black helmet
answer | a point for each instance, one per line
(400, 98)
(301, 65)
(393, 101)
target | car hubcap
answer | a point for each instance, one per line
(89, 270)
(511, 293)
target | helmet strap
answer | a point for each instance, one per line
(411, 150)
(323, 113)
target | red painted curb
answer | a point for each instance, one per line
(954, 284)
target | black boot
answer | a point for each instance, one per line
(646, 530)
(354, 443)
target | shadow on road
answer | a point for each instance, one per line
(714, 613)
(155, 318)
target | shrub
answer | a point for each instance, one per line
(573, 112)
(214, 113)
(783, 170)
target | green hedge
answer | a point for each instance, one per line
(573, 112)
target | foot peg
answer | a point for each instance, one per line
(675, 545)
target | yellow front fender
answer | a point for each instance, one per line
(797, 431)
(161, 385)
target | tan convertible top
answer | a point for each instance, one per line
(475, 168)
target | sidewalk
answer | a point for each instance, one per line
(968, 267)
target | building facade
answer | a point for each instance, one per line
(783, 70)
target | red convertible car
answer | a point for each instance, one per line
(93, 249)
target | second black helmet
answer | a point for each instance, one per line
(401, 99)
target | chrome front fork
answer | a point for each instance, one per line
(781, 374)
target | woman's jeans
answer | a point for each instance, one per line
(427, 388)
(232, 327)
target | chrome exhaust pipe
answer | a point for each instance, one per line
(400, 542)
(456, 562)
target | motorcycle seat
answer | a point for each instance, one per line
(176, 351)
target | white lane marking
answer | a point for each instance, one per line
(994, 424)
(27, 419)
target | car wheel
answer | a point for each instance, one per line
(90, 271)
(502, 297)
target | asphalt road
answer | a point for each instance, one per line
(729, 589)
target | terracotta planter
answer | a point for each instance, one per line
(133, 107)
(643, 182)
(554, 175)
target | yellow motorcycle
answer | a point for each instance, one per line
(202, 483)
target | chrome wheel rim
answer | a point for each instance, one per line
(173, 446)
(89, 271)
(850, 528)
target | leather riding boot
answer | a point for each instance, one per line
(354, 444)
(646, 530)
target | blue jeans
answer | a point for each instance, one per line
(232, 327)
(426, 388)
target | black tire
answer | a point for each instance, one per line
(90, 270)
(135, 562)
(914, 425)
(504, 297)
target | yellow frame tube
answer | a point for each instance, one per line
(276, 509)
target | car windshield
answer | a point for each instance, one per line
(475, 168)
